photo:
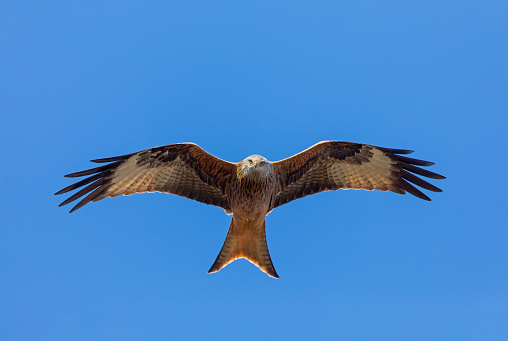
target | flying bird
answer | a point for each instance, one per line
(252, 188)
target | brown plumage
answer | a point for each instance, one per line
(252, 188)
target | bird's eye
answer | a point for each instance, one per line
(250, 161)
(262, 163)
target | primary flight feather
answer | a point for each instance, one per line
(252, 188)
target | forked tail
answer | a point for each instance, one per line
(245, 242)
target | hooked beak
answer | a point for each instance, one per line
(255, 164)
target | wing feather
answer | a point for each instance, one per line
(183, 169)
(331, 165)
(79, 184)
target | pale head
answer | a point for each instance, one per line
(256, 166)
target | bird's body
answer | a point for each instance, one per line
(252, 188)
(251, 193)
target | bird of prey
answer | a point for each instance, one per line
(252, 188)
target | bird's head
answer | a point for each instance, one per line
(255, 166)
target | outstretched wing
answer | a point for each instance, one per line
(330, 165)
(183, 169)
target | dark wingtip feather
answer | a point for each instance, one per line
(88, 198)
(93, 170)
(421, 171)
(83, 191)
(419, 182)
(412, 161)
(76, 208)
(80, 183)
(396, 151)
(114, 158)
(413, 190)
(96, 182)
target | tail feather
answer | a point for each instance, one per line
(245, 243)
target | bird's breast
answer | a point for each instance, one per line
(252, 195)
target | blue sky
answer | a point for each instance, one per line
(80, 81)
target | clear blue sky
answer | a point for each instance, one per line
(95, 79)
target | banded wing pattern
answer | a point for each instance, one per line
(331, 165)
(183, 169)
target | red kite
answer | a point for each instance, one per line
(252, 188)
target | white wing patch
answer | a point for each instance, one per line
(375, 174)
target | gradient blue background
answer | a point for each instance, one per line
(94, 79)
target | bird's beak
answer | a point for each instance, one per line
(255, 164)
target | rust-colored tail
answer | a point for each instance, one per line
(245, 242)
